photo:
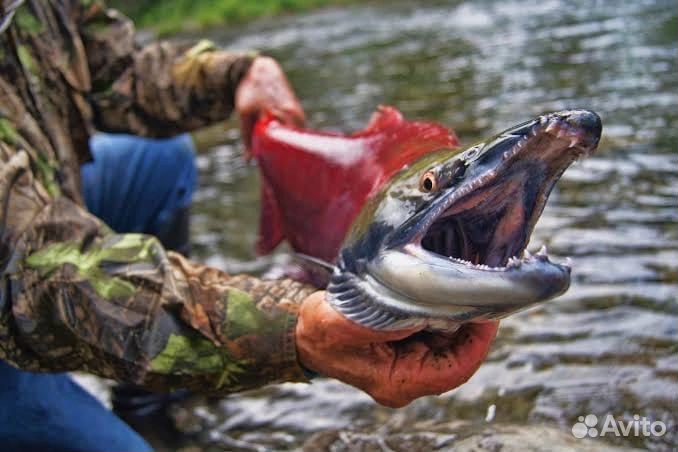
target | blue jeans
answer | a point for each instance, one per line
(141, 185)
(134, 185)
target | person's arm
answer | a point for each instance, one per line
(165, 88)
(74, 295)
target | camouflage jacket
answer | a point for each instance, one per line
(75, 295)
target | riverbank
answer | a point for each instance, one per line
(172, 16)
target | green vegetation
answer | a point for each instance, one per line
(170, 16)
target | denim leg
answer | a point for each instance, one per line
(49, 412)
(142, 185)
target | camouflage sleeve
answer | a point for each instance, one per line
(160, 89)
(74, 295)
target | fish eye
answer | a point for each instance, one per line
(428, 182)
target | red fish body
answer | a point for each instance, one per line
(314, 184)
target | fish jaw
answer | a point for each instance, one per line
(461, 256)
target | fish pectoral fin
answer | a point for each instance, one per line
(270, 221)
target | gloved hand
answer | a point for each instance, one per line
(394, 367)
(265, 88)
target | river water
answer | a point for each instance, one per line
(610, 345)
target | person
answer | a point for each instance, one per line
(75, 295)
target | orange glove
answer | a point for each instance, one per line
(394, 367)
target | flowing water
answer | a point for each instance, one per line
(610, 344)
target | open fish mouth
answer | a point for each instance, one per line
(462, 256)
(488, 222)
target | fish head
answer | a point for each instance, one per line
(444, 241)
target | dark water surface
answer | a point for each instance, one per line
(610, 345)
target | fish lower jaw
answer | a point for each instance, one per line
(367, 302)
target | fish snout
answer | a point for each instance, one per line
(586, 124)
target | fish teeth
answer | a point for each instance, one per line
(470, 264)
(526, 254)
(513, 262)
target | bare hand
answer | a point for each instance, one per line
(265, 88)
(394, 367)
